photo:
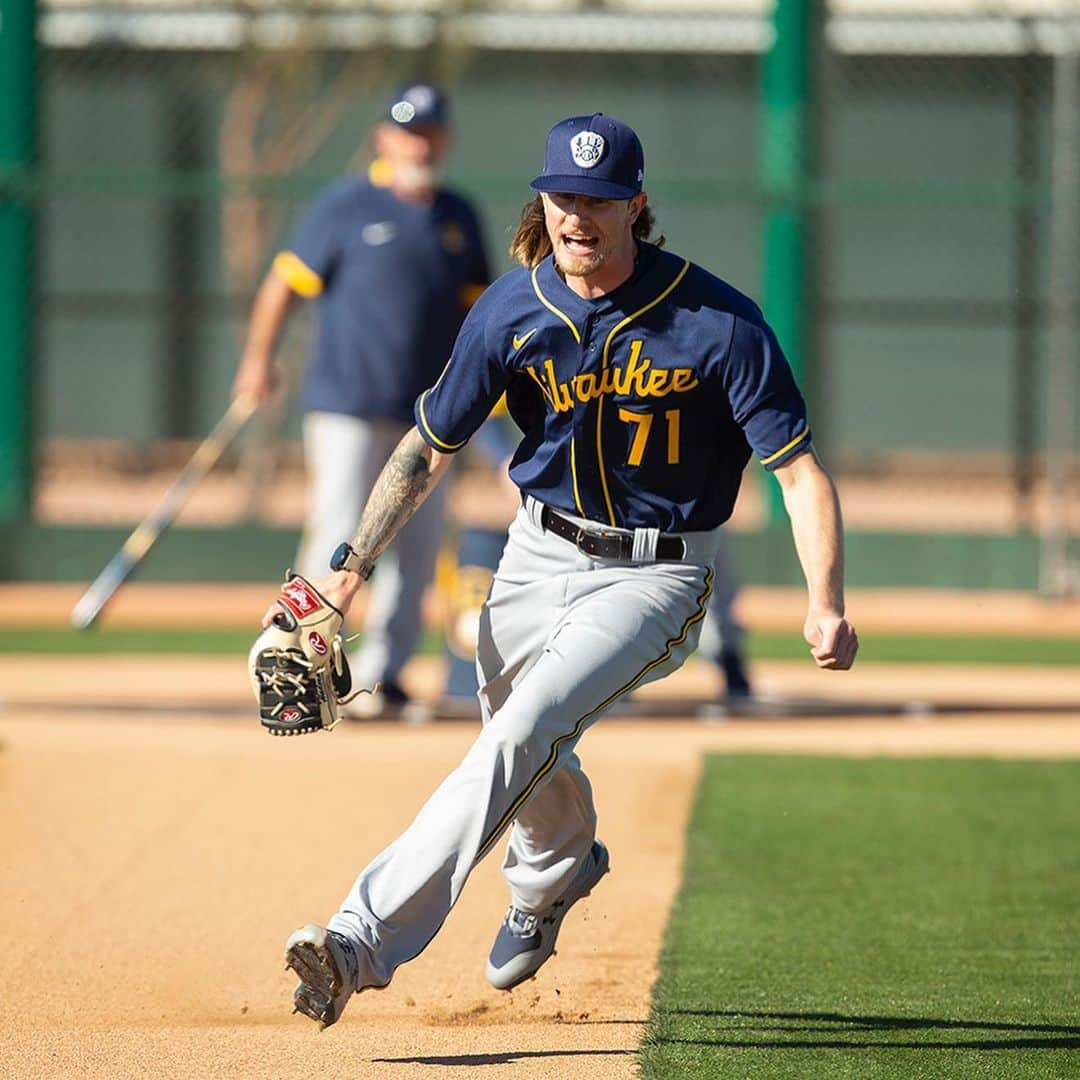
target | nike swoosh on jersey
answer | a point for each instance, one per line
(519, 341)
(378, 233)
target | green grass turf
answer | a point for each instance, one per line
(209, 642)
(930, 648)
(762, 646)
(865, 919)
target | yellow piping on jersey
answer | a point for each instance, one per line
(431, 434)
(577, 337)
(573, 456)
(603, 367)
(573, 474)
(297, 275)
(487, 844)
(551, 307)
(784, 449)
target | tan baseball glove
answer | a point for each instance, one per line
(297, 667)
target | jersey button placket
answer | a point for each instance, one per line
(603, 430)
(588, 467)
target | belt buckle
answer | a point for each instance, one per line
(589, 543)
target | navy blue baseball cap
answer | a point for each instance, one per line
(592, 155)
(417, 104)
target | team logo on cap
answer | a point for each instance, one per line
(587, 148)
(417, 99)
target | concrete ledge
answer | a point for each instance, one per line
(60, 553)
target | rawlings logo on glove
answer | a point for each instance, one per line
(297, 666)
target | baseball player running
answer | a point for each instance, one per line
(393, 260)
(643, 384)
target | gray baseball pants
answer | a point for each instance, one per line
(344, 456)
(562, 637)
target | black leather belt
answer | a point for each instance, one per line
(599, 544)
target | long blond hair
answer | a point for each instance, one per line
(531, 243)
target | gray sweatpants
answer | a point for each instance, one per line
(562, 637)
(344, 456)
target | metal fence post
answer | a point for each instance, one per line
(17, 100)
(1027, 256)
(1056, 576)
(784, 168)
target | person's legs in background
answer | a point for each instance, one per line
(722, 636)
(394, 622)
(344, 456)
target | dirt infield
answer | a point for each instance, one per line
(157, 862)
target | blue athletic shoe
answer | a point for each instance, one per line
(526, 939)
(326, 965)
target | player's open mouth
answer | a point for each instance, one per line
(580, 245)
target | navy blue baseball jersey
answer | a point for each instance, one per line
(394, 280)
(639, 408)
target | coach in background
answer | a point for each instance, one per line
(393, 262)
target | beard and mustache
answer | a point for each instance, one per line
(416, 177)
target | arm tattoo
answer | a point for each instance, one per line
(400, 489)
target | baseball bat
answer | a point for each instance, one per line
(135, 547)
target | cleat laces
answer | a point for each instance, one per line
(521, 923)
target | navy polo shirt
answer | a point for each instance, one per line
(393, 281)
(639, 408)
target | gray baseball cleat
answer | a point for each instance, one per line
(326, 965)
(526, 939)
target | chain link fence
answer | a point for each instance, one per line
(179, 143)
